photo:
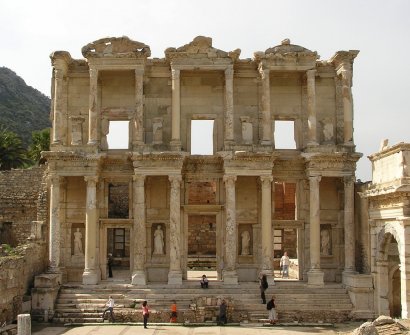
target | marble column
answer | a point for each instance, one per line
(229, 134)
(176, 110)
(60, 70)
(23, 324)
(266, 120)
(55, 235)
(175, 273)
(315, 274)
(90, 274)
(311, 108)
(349, 225)
(405, 270)
(139, 108)
(266, 223)
(139, 232)
(347, 104)
(382, 287)
(230, 275)
(93, 107)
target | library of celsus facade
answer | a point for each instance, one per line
(157, 207)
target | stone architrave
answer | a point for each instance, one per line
(54, 252)
(349, 224)
(311, 107)
(90, 274)
(138, 272)
(229, 138)
(92, 107)
(176, 110)
(139, 107)
(315, 274)
(175, 273)
(266, 121)
(230, 275)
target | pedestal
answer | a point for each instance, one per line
(230, 278)
(139, 278)
(315, 278)
(175, 278)
(90, 278)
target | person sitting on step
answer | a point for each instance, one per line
(204, 281)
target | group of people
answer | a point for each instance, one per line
(270, 306)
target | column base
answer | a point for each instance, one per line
(139, 278)
(175, 278)
(266, 142)
(230, 277)
(90, 277)
(312, 144)
(315, 278)
(175, 145)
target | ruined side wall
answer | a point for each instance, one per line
(22, 199)
(17, 278)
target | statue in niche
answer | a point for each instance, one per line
(246, 239)
(247, 130)
(158, 241)
(325, 242)
(157, 131)
(78, 243)
(328, 131)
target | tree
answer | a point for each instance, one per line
(40, 141)
(12, 152)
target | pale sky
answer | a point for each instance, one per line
(31, 30)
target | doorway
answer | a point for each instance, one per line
(118, 245)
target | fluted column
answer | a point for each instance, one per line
(175, 273)
(92, 107)
(266, 222)
(346, 73)
(60, 69)
(311, 107)
(229, 135)
(266, 121)
(315, 274)
(349, 224)
(55, 238)
(139, 108)
(90, 275)
(230, 275)
(176, 110)
(139, 231)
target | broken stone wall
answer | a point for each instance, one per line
(23, 199)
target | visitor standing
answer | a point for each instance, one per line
(110, 261)
(271, 307)
(174, 314)
(145, 313)
(110, 308)
(263, 285)
(284, 264)
(222, 313)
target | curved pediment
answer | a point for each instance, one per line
(287, 47)
(116, 47)
(200, 46)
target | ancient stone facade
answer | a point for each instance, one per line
(251, 197)
(388, 199)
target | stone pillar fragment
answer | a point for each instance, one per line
(266, 121)
(139, 108)
(311, 108)
(405, 271)
(315, 274)
(230, 275)
(175, 273)
(92, 108)
(90, 274)
(176, 110)
(266, 223)
(349, 224)
(60, 69)
(229, 136)
(23, 324)
(55, 238)
(139, 231)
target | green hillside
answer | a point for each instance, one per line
(23, 109)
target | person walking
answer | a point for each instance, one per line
(263, 285)
(174, 314)
(222, 313)
(110, 308)
(284, 264)
(271, 307)
(145, 313)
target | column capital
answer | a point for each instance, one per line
(175, 180)
(139, 71)
(348, 180)
(93, 72)
(264, 73)
(175, 73)
(315, 178)
(54, 179)
(139, 178)
(91, 179)
(229, 72)
(347, 76)
(266, 179)
(310, 74)
(229, 179)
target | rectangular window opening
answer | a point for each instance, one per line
(118, 135)
(285, 134)
(202, 137)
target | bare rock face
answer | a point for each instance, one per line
(382, 325)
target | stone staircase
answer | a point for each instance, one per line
(295, 302)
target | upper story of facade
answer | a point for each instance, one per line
(246, 99)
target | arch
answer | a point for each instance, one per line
(384, 236)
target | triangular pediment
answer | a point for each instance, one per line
(116, 47)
